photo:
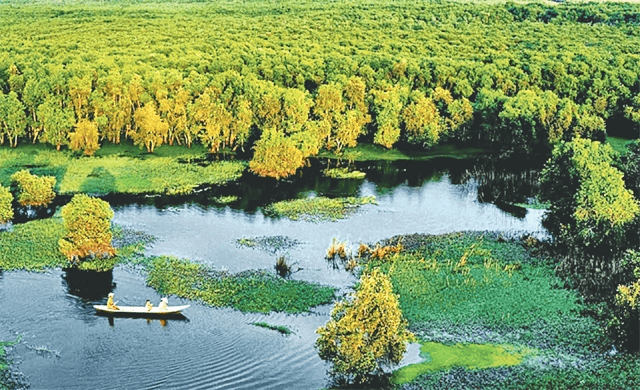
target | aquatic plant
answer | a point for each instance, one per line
(225, 199)
(251, 291)
(269, 244)
(318, 209)
(278, 328)
(337, 249)
(344, 173)
(283, 268)
(19, 249)
(438, 356)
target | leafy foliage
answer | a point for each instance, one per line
(365, 333)
(87, 225)
(34, 190)
(6, 207)
(32, 246)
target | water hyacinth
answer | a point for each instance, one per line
(318, 209)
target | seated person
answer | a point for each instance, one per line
(148, 305)
(110, 304)
(164, 303)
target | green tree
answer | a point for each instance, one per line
(588, 197)
(365, 333)
(87, 224)
(387, 105)
(56, 122)
(34, 190)
(13, 120)
(6, 209)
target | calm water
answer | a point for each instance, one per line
(65, 345)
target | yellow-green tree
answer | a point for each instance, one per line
(365, 333)
(85, 137)
(422, 120)
(6, 211)
(150, 129)
(276, 155)
(34, 190)
(87, 224)
(387, 104)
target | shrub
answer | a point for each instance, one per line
(87, 223)
(365, 333)
(34, 190)
(6, 211)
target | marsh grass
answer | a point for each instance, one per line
(371, 152)
(278, 328)
(251, 291)
(318, 209)
(118, 174)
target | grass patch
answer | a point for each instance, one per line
(33, 246)
(344, 173)
(618, 144)
(118, 174)
(472, 356)
(318, 209)
(370, 152)
(278, 328)
(251, 291)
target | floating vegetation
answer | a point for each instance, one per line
(318, 209)
(269, 244)
(344, 173)
(278, 328)
(471, 356)
(44, 351)
(225, 199)
(249, 291)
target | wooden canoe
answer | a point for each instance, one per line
(141, 310)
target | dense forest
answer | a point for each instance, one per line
(286, 79)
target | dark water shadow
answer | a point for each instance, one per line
(88, 285)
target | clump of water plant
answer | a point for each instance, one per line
(283, 267)
(249, 291)
(337, 249)
(318, 209)
(278, 328)
(269, 244)
(225, 199)
(344, 173)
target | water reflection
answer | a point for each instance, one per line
(88, 285)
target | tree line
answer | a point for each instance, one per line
(286, 80)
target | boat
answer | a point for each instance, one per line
(141, 310)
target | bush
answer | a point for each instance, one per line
(87, 223)
(34, 190)
(6, 211)
(365, 333)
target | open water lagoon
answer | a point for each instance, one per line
(66, 345)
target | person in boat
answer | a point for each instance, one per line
(148, 305)
(110, 304)
(164, 303)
